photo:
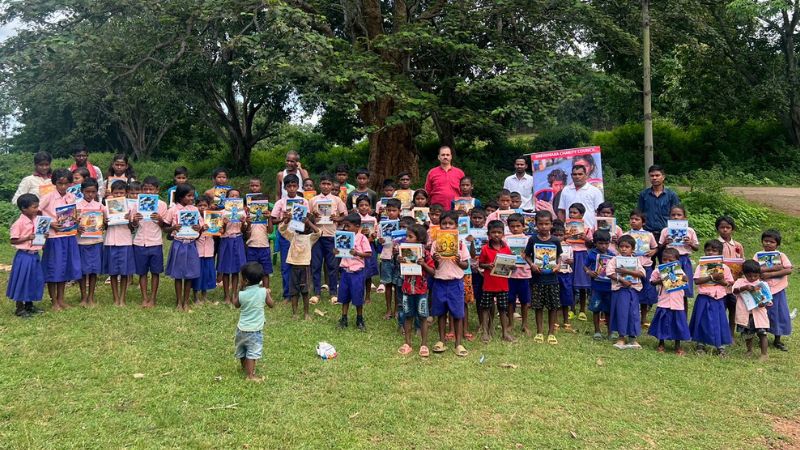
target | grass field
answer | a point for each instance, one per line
(67, 381)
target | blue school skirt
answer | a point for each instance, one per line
(780, 323)
(625, 316)
(183, 262)
(231, 255)
(26, 282)
(686, 265)
(648, 295)
(61, 260)
(208, 275)
(566, 292)
(118, 260)
(709, 322)
(580, 279)
(670, 325)
(91, 259)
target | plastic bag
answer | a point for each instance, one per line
(326, 351)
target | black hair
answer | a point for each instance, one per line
(119, 185)
(656, 168)
(750, 266)
(25, 201)
(543, 215)
(558, 227)
(134, 185)
(436, 207)
(673, 252)
(468, 178)
(82, 171)
(556, 175)
(405, 174)
(516, 194)
(452, 215)
(181, 191)
(522, 157)
(606, 205)
(342, 168)
(218, 171)
(772, 233)
(181, 170)
(492, 204)
(601, 236)
(42, 157)
(725, 219)
(420, 232)
(363, 198)
(503, 192)
(291, 178)
(393, 203)
(515, 218)
(640, 214)
(579, 206)
(77, 148)
(59, 174)
(679, 206)
(422, 192)
(152, 181)
(713, 244)
(89, 182)
(407, 221)
(205, 198)
(589, 159)
(308, 179)
(477, 210)
(325, 177)
(129, 172)
(253, 272)
(495, 224)
(388, 182)
(625, 239)
(581, 167)
(362, 171)
(353, 218)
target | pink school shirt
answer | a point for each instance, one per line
(617, 234)
(731, 249)
(328, 230)
(149, 232)
(48, 205)
(356, 263)
(258, 237)
(682, 249)
(118, 236)
(443, 185)
(94, 205)
(667, 300)
(280, 206)
(171, 217)
(581, 247)
(646, 261)
(21, 228)
(522, 271)
(232, 229)
(760, 317)
(615, 285)
(778, 284)
(713, 290)
(205, 246)
(448, 269)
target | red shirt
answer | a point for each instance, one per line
(492, 283)
(444, 185)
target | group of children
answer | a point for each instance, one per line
(454, 274)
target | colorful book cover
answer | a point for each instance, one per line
(600, 267)
(344, 241)
(447, 243)
(504, 265)
(768, 259)
(672, 276)
(213, 219)
(325, 208)
(405, 197)
(566, 253)
(343, 193)
(677, 231)
(259, 211)
(132, 204)
(629, 263)
(517, 245)
(735, 264)
(545, 257)
(252, 196)
(298, 221)
(479, 238)
(432, 230)
(218, 195)
(608, 224)
(92, 224)
(503, 216)
(642, 239)
(147, 205)
(117, 209)
(399, 236)
(387, 227)
(463, 227)
(754, 299)
(75, 190)
(41, 227)
(421, 215)
(46, 188)
(187, 219)
(463, 204)
(573, 231)
(293, 201)
(234, 209)
(412, 253)
(308, 195)
(67, 217)
(530, 223)
(710, 265)
(367, 226)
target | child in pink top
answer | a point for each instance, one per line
(730, 250)
(669, 321)
(26, 282)
(148, 245)
(447, 291)
(607, 209)
(756, 321)
(709, 323)
(183, 262)
(776, 274)
(205, 250)
(91, 249)
(519, 285)
(625, 284)
(648, 295)
(351, 287)
(61, 258)
(370, 231)
(118, 258)
(581, 281)
(231, 256)
(257, 247)
(690, 244)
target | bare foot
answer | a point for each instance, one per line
(64, 305)
(763, 358)
(84, 303)
(56, 307)
(509, 338)
(255, 378)
(485, 338)
(527, 331)
(294, 316)
(308, 317)
(92, 303)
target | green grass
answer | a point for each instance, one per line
(67, 381)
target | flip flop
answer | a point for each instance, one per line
(551, 339)
(450, 336)
(539, 339)
(461, 351)
(405, 349)
(439, 347)
(313, 300)
(469, 336)
(424, 352)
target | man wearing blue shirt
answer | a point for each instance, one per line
(656, 201)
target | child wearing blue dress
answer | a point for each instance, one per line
(709, 323)
(183, 262)
(205, 250)
(685, 246)
(91, 248)
(626, 283)
(26, 282)
(669, 321)
(776, 276)
(601, 284)
(231, 256)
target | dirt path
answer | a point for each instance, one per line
(783, 199)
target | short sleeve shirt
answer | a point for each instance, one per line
(543, 278)
(251, 313)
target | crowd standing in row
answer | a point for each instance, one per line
(553, 268)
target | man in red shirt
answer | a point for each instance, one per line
(442, 183)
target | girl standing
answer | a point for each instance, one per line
(777, 277)
(580, 280)
(730, 249)
(684, 247)
(231, 253)
(183, 262)
(119, 170)
(91, 249)
(39, 183)
(26, 282)
(669, 321)
(205, 250)
(118, 259)
(709, 323)
(625, 284)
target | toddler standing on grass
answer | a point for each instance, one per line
(249, 340)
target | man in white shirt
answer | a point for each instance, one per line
(580, 192)
(521, 182)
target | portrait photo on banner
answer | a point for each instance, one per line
(551, 170)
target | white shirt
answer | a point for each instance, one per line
(589, 196)
(524, 186)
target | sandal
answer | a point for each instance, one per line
(381, 289)
(405, 349)
(568, 328)
(439, 347)
(313, 300)
(450, 336)
(424, 352)
(539, 338)
(551, 339)
(582, 316)
(461, 351)
(469, 336)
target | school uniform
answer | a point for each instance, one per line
(231, 256)
(26, 281)
(322, 252)
(208, 271)
(600, 300)
(519, 285)
(351, 286)
(780, 321)
(580, 279)
(731, 249)
(625, 314)
(371, 264)
(257, 247)
(61, 258)
(118, 257)
(755, 321)
(148, 250)
(183, 262)
(447, 290)
(299, 258)
(709, 322)
(91, 249)
(283, 245)
(649, 295)
(669, 321)
(685, 253)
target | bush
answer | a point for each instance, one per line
(561, 137)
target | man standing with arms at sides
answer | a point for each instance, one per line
(521, 183)
(292, 167)
(442, 182)
(656, 201)
(580, 192)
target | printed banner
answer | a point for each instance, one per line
(551, 170)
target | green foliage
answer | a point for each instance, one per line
(561, 137)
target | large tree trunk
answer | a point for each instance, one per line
(391, 148)
(240, 152)
(444, 130)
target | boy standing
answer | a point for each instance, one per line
(299, 259)
(390, 269)
(362, 180)
(291, 183)
(147, 245)
(448, 287)
(351, 287)
(322, 252)
(544, 284)
(249, 340)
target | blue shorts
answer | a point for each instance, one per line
(248, 344)
(448, 296)
(600, 302)
(519, 288)
(148, 259)
(261, 255)
(415, 305)
(390, 272)
(351, 288)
